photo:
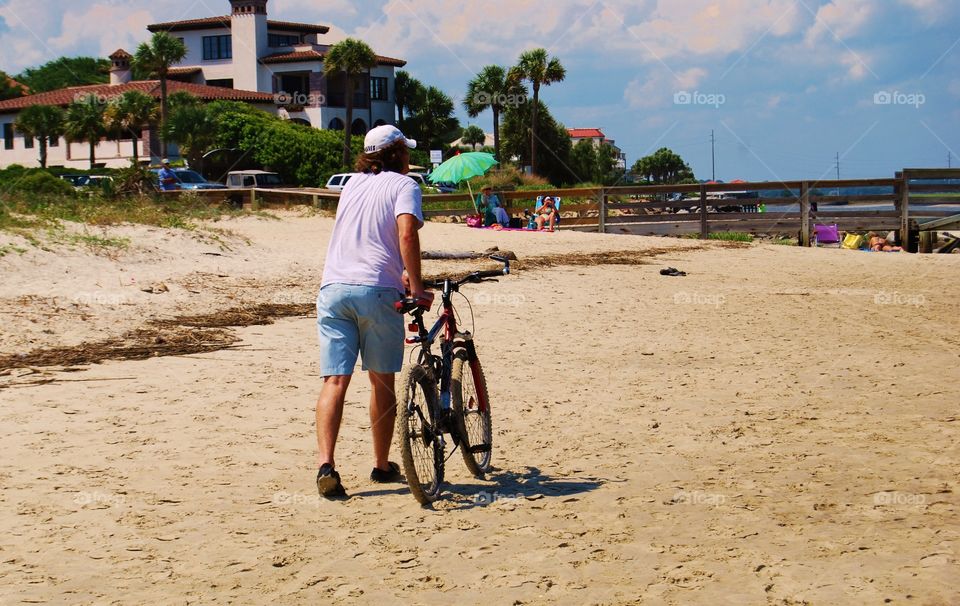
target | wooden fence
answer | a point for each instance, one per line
(657, 210)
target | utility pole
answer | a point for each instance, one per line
(949, 159)
(838, 166)
(713, 156)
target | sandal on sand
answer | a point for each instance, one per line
(328, 483)
(391, 475)
(672, 271)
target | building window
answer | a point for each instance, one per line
(7, 136)
(335, 124)
(274, 40)
(217, 47)
(27, 142)
(378, 89)
(53, 142)
(221, 83)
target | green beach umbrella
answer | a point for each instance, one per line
(463, 167)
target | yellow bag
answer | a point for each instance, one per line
(852, 242)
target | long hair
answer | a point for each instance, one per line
(390, 159)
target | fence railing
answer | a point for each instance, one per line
(675, 210)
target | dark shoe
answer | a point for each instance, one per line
(385, 477)
(328, 483)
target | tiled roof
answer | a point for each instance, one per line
(65, 96)
(224, 21)
(121, 54)
(23, 87)
(183, 71)
(586, 133)
(313, 55)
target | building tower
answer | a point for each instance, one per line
(248, 25)
(120, 67)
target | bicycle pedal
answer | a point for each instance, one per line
(480, 448)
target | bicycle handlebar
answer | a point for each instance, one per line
(409, 304)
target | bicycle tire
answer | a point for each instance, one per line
(471, 404)
(421, 453)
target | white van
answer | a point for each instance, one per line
(336, 182)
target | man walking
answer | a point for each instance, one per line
(374, 247)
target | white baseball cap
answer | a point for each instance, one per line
(382, 137)
(165, 161)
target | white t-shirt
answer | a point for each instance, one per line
(365, 245)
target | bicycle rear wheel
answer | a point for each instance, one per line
(421, 448)
(471, 404)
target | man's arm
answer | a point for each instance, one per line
(408, 226)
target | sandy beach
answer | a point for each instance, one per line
(779, 426)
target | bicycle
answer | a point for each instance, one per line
(443, 394)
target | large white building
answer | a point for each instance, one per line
(243, 56)
(596, 136)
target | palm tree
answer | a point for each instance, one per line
(434, 121)
(132, 112)
(408, 92)
(540, 70)
(84, 122)
(194, 127)
(492, 89)
(155, 58)
(473, 135)
(42, 122)
(352, 58)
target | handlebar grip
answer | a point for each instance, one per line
(493, 273)
(408, 304)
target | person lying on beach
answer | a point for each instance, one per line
(878, 244)
(546, 214)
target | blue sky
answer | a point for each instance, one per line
(784, 84)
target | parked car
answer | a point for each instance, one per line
(191, 179)
(446, 188)
(75, 180)
(336, 182)
(247, 179)
(425, 185)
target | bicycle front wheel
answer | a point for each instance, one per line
(421, 447)
(471, 404)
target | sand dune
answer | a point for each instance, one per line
(777, 427)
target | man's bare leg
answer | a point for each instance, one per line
(329, 415)
(383, 413)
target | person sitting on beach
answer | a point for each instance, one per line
(547, 214)
(878, 244)
(489, 204)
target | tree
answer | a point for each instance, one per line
(42, 122)
(553, 136)
(131, 112)
(64, 72)
(407, 90)
(8, 88)
(491, 89)
(84, 122)
(351, 58)
(433, 121)
(473, 135)
(540, 70)
(194, 127)
(663, 167)
(155, 58)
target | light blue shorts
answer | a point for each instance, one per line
(353, 319)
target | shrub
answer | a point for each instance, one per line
(37, 182)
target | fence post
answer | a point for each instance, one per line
(804, 213)
(905, 211)
(253, 200)
(316, 202)
(704, 227)
(603, 212)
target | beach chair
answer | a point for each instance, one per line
(556, 201)
(828, 235)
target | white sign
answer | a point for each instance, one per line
(436, 156)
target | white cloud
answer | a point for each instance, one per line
(840, 19)
(127, 29)
(657, 89)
